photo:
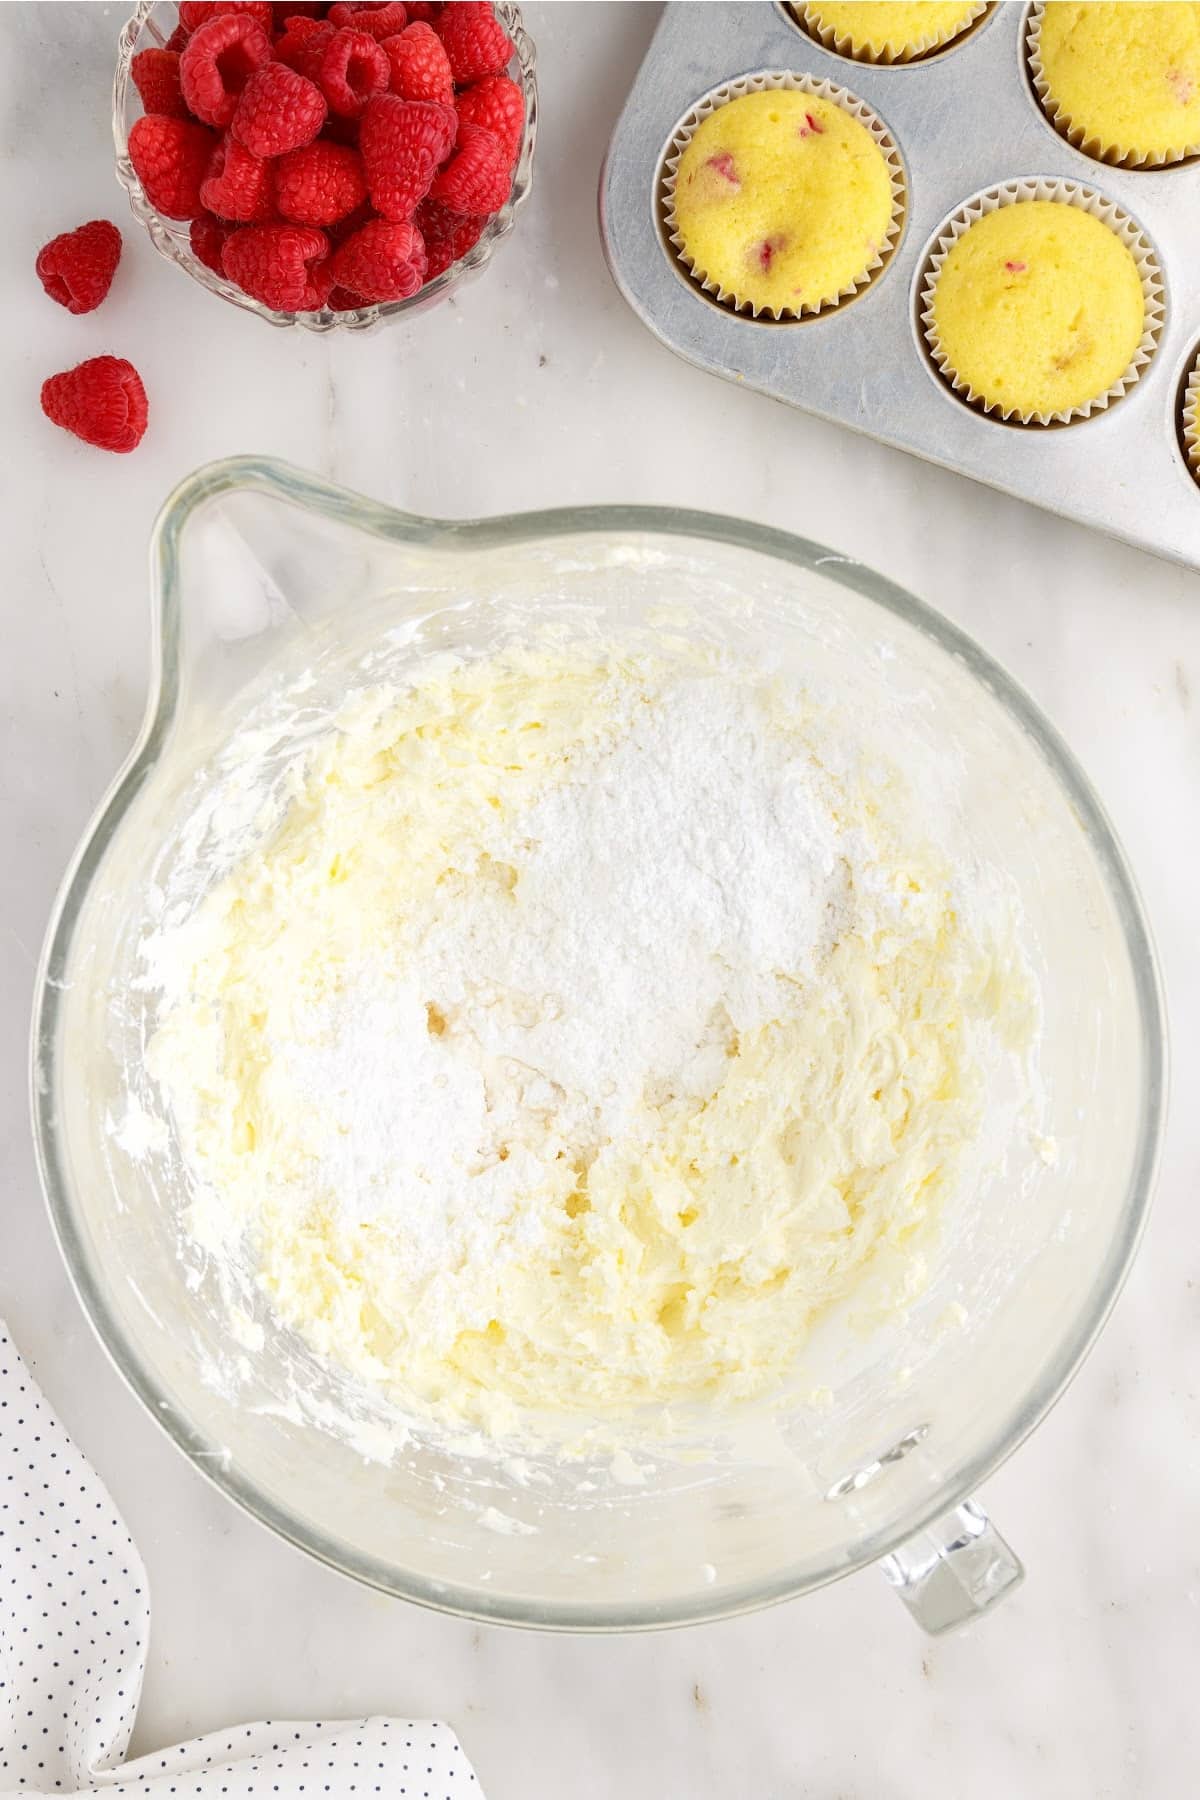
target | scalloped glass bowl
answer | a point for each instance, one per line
(150, 27)
(270, 587)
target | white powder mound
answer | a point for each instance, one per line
(674, 889)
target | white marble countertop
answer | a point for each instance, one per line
(539, 387)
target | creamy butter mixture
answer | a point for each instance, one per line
(585, 1028)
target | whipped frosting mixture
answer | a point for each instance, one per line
(583, 1030)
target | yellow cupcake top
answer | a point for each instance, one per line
(1038, 308)
(1124, 78)
(783, 200)
(889, 30)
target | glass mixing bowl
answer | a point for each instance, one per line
(150, 27)
(265, 577)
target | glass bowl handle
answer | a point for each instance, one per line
(953, 1570)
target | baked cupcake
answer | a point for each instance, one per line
(887, 31)
(782, 201)
(1036, 308)
(1191, 420)
(1120, 82)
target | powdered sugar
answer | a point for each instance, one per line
(603, 950)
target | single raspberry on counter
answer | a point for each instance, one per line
(170, 158)
(476, 42)
(102, 401)
(194, 13)
(447, 234)
(403, 142)
(419, 66)
(77, 268)
(284, 266)
(219, 60)
(320, 184)
(498, 105)
(303, 45)
(155, 75)
(377, 21)
(478, 177)
(354, 69)
(383, 261)
(278, 111)
(207, 237)
(238, 185)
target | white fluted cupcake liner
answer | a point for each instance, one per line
(1190, 420)
(1077, 135)
(842, 44)
(766, 81)
(1068, 193)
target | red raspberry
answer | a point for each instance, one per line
(378, 22)
(344, 228)
(156, 77)
(207, 237)
(77, 268)
(219, 60)
(424, 11)
(476, 42)
(170, 158)
(194, 13)
(286, 11)
(419, 67)
(448, 235)
(478, 176)
(284, 266)
(102, 401)
(342, 300)
(303, 45)
(238, 185)
(320, 184)
(178, 39)
(353, 70)
(340, 131)
(381, 262)
(498, 105)
(278, 111)
(402, 144)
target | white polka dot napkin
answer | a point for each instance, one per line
(74, 1621)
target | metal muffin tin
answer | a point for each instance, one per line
(965, 119)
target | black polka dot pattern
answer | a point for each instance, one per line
(74, 1623)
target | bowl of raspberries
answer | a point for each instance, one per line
(326, 165)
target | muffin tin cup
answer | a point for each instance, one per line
(1190, 420)
(767, 81)
(1068, 193)
(1076, 136)
(843, 45)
